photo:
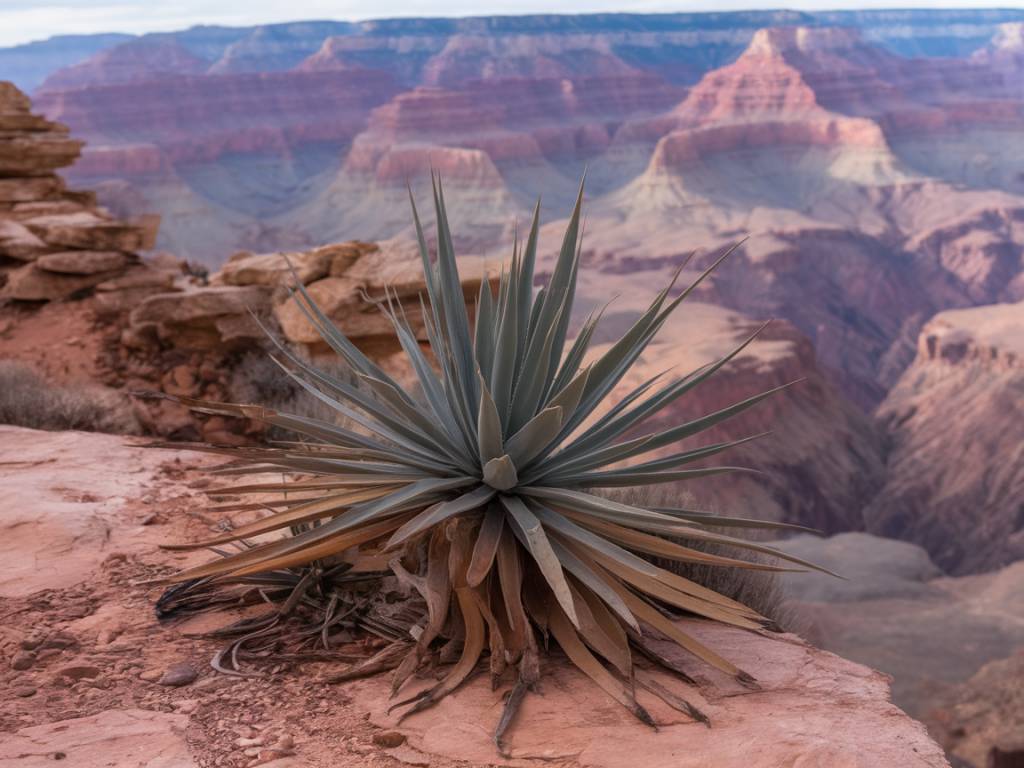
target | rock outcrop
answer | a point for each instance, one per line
(54, 242)
(955, 474)
(346, 280)
(897, 613)
(982, 720)
(87, 661)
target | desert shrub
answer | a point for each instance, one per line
(27, 399)
(481, 492)
(256, 378)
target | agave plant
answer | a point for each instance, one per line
(480, 490)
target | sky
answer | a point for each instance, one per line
(26, 20)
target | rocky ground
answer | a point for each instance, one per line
(90, 674)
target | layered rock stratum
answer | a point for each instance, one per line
(54, 242)
(955, 467)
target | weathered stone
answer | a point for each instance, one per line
(80, 672)
(90, 231)
(30, 283)
(82, 262)
(132, 737)
(31, 188)
(344, 255)
(141, 276)
(39, 216)
(178, 674)
(23, 660)
(389, 739)
(38, 154)
(18, 242)
(272, 269)
(335, 296)
(204, 317)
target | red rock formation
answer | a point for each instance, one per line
(954, 478)
(60, 241)
(301, 107)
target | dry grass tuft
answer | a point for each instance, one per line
(760, 590)
(256, 378)
(29, 400)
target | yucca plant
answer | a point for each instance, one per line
(480, 490)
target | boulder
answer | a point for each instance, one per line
(336, 296)
(982, 720)
(204, 317)
(83, 262)
(871, 567)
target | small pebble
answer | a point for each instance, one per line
(80, 672)
(23, 660)
(32, 642)
(185, 706)
(389, 739)
(24, 691)
(181, 673)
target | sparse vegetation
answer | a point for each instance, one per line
(759, 590)
(480, 495)
(256, 378)
(29, 400)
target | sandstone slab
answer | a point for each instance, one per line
(87, 230)
(82, 262)
(32, 283)
(18, 242)
(130, 738)
(271, 269)
(813, 709)
(21, 190)
(64, 510)
(204, 317)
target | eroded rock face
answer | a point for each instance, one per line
(954, 478)
(982, 720)
(68, 243)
